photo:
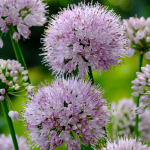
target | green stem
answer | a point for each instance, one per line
(137, 104)
(92, 80)
(10, 124)
(90, 74)
(2, 35)
(17, 49)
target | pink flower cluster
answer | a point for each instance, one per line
(123, 120)
(68, 111)
(139, 34)
(126, 144)
(82, 36)
(22, 14)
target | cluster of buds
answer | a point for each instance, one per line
(123, 120)
(142, 87)
(13, 77)
(138, 31)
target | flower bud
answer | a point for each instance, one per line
(25, 78)
(4, 80)
(10, 83)
(2, 91)
(147, 104)
(15, 79)
(17, 87)
(1, 98)
(13, 115)
(139, 110)
(135, 94)
(25, 72)
(147, 39)
(7, 74)
(143, 98)
(1, 43)
(26, 84)
(3, 65)
(136, 88)
(135, 82)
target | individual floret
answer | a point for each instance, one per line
(66, 111)
(82, 36)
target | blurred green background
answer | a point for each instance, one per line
(116, 83)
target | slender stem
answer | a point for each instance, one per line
(90, 74)
(137, 104)
(17, 49)
(2, 34)
(92, 80)
(10, 124)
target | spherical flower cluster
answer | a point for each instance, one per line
(126, 144)
(123, 120)
(82, 36)
(7, 144)
(68, 111)
(23, 14)
(142, 86)
(138, 31)
(13, 77)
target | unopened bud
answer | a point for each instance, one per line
(2, 91)
(10, 83)
(143, 98)
(25, 72)
(135, 94)
(15, 79)
(25, 78)
(17, 87)
(13, 115)
(139, 110)
(1, 98)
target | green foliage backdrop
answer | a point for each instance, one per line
(116, 83)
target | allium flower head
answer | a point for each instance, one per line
(138, 30)
(123, 120)
(22, 14)
(7, 144)
(66, 111)
(126, 144)
(82, 36)
(142, 85)
(13, 77)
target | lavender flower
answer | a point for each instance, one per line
(13, 77)
(142, 86)
(23, 14)
(67, 111)
(126, 144)
(7, 144)
(138, 31)
(82, 36)
(123, 120)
